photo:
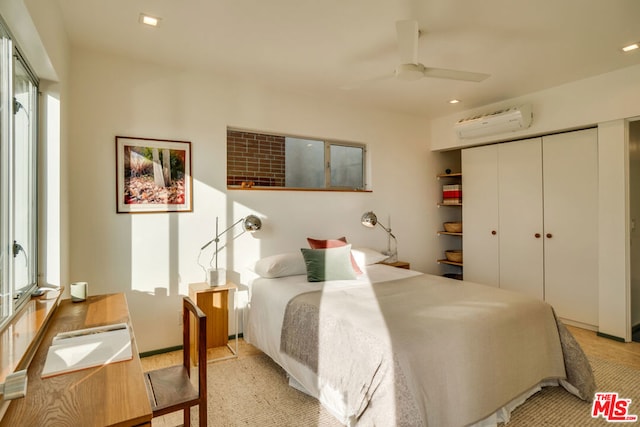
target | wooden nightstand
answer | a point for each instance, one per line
(398, 264)
(214, 301)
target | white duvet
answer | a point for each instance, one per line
(268, 301)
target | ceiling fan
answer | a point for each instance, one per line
(410, 69)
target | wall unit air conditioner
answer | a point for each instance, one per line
(507, 120)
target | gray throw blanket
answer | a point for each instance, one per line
(431, 351)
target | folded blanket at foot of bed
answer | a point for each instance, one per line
(431, 351)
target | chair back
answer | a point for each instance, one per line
(171, 388)
(194, 339)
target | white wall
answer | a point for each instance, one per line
(634, 190)
(613, 230)
(153, 257)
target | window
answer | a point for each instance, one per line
(279, 161)
(18, 177)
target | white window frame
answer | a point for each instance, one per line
(326, 185)
(12, 295)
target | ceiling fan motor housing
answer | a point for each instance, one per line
(410, 72)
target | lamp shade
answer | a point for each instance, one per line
(252, 223)
(369, 219)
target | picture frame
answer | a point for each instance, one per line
(153, 175)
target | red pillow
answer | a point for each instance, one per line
(333, 243)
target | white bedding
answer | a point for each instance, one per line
(268, 301)
(266, 310)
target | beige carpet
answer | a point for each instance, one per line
(253, 391)
(553, 406)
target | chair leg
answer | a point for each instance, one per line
(202, 407)
(186, 412)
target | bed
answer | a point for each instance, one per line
(398, 347)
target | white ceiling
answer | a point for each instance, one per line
(317, 47)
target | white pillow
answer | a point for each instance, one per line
(367, 256)
(281, 265)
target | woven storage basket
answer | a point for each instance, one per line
(454, 255)
(453, 227)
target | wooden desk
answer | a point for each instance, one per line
(110, 395)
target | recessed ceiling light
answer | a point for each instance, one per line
(454, 101)
(149, 20)
(630, 47)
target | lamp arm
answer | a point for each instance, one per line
(217, 238)
(391, 253)
(225, 245)
(208, 243)
(388, 230)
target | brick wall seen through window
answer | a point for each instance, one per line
(256, 158)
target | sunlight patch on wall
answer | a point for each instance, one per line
(151, 264)
(246, 247)
(52, 190)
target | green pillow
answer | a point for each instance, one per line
(328, 264)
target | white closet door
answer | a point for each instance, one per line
(571, 224)
(480, 214)
(521, 217)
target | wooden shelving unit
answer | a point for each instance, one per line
(451, 177)
(446, 261)
(447, 233)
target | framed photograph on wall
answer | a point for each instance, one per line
(153, 175)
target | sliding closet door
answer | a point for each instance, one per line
(480, 214)
(571, 224)
(521, 217)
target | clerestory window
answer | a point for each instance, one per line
(263, 160)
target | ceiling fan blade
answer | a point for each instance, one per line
(408, 33)
(361, 83)
(442, 73)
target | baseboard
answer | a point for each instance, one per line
(611, 337)
(176, 348)
(579, 325)
(160, 351)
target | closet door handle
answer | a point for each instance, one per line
(537, 235)
(549, 235)
(494, 232)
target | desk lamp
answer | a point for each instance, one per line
(218, 276)
(369, 219)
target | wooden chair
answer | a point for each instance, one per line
(171, 389)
